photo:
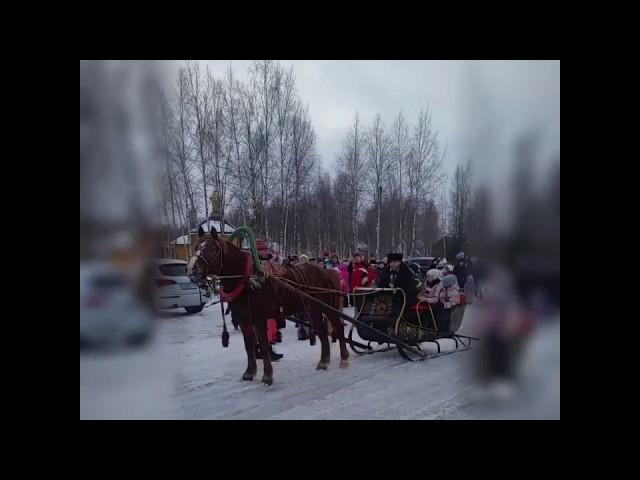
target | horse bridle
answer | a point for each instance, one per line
(200, 256)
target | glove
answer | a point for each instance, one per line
(254, 284)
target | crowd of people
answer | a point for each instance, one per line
(440, 287)
(392, 272)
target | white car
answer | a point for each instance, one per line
(174, 289)
(111, 315)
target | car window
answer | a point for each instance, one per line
(423, 262)
(173, 270)
(108, 281)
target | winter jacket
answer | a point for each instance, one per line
(450, 292)
(344, 277)
(430, 294)
(461, 271)
(359, 277)
(401, 278)
(372, 276)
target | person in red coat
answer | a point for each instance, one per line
(360, 275)
(372, 275)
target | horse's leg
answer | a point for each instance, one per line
(250, 346)
(261, 331)
(338, 328)
(321, 329)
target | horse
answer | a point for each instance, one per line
(255, 302)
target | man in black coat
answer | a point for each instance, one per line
(461, 269)
(397, 275)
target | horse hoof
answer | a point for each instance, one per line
(322, 366)
(267, 380)
(247, 376)
(344, 363)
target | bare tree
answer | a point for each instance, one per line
(478, 222)
(262, 82)
(232, 110)
(400, 150)
(303, 157)
(424, 167)
(183, 147)
(430, 225)
(340, 192)
(250, 168)
(169, 179)
(285, 102)
(377, 144)
(198, 101)
(221, 144)
(352, 164)
(460, 203)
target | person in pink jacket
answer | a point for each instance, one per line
(430, 291)
(450, 291)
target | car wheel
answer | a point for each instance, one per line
(194, 309)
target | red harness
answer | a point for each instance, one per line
(231, 296)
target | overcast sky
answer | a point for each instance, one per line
(479, 108)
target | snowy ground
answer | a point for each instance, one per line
(186, 374)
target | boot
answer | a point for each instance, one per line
(274, 356)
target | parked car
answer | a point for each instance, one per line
(423, 262)
(111, 312)
(174, 289)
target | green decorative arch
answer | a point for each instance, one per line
(245, 232)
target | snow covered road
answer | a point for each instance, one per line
(186, 374)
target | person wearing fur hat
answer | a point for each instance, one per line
(397, 275)
(304, 259)
(430, 291)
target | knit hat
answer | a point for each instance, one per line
(434, 274)
(449, 281)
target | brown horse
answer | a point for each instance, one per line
(254, 303)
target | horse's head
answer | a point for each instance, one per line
(207, 259)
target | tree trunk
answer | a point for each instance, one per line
(283, 230)
(403, 214)
(413, 231)
(296, 234)
(378, 223)
(354, 225)
(393, 235)
(204, 184)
